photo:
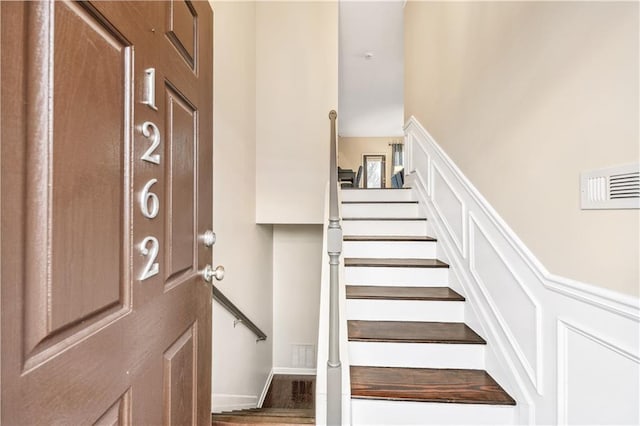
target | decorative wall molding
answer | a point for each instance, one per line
(522, 309)
(533, 369)
(459, 239)
(615, 302)
(564, 383)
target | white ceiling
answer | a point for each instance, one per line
(371, 89)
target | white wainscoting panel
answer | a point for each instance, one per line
(450, 208)
(567, 351)
(520, 314)
(598, 381)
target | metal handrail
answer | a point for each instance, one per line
(334, 249)
(236, 312)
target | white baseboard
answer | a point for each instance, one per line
(295, 371)
(227, 402)
(263, 395)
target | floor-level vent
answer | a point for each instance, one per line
(611, 188)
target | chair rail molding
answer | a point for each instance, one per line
(551, 338)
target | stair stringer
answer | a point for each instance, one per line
(539, 365)
(475, 315)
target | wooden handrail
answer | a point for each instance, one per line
(236, 312)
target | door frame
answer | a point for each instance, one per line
(383, 172)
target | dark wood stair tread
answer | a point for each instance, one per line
(280, 416)
(386, 218)
(400, 238)
(427, 385)
(276, 412)
(376, 292)
(383, 189)
(395, 263)
(380, 202)
(412, 332)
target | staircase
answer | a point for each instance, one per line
(413, 359)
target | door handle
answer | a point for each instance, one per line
(209, 273)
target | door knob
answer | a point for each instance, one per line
(209, 273)
(208, 238)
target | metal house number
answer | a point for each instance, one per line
(148, 200)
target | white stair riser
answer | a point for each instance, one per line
(390, 276)
(385, 227)
(379, 412)
(417, 355)
(405, 310)
(380, 210)
(377, 195)
(390, 249)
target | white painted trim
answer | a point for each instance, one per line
(535, 375)
(265, 389)
(294, 371)
(539, 387)
(563, 326)
(226, 402)
(618, 303)
(461, 245)
(473, 295)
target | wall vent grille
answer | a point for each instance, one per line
(611, 188)
(303, 356)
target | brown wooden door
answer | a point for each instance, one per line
(105, 190)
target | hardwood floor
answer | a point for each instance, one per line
(427, 385)
(291, 391)
(290, 400)
(412, 332)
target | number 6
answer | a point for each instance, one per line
(147, 196)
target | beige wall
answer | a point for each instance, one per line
(297, 264)
(296, 87)
(240, 366)
(351, 150)
(523, 96)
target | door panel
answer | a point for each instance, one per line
(90, 92)
(118, 414)
(87, 338)
(182, 28)
(180, 178)
(180, 379)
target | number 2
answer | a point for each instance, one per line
(150, 130)
(152, 267)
